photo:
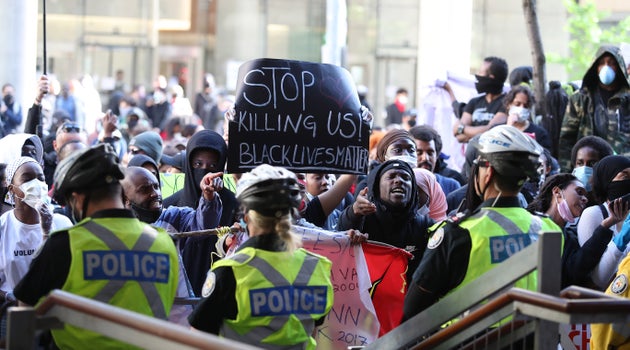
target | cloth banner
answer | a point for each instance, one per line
(575, 336)
(352, 320)
(388, 268)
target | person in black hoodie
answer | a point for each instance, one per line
(387, 210)
(206, 152)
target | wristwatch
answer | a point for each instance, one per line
(460, 129)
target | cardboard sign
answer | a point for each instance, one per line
(171, 183)
(303, 116)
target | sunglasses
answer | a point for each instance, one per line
(482, 163)
(69, 128)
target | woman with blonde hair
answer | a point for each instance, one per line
(270, 292)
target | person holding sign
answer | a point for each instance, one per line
(387, 210)
(270, 292)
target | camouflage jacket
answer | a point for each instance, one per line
(580, 116)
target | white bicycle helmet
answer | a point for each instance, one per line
(269, 190)
(509, 151)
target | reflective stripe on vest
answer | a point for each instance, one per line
(509, 226)
(258, 334)
(498, 233)
(144, 242)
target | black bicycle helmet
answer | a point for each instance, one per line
(85, 169)
(510, 152)
(269, 190)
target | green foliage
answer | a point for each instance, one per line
(587, 36)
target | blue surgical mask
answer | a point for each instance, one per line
(584, 174)
(607, 75)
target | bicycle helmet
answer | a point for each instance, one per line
(509, 151)
(84, 169)
(269, 190)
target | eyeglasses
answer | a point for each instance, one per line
(69, 128)
(482, 163)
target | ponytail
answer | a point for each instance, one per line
(277, 225)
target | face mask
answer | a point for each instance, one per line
(407, 159)
(132, 123)
(35, 193)
(584, 174)
(145, 215)
(424, 210)
(488, 85)
(607, 75)
(124, 111)
(618, 189)
(564, 210)
(198, 175)
(521, 112)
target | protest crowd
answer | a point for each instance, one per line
(325, 216)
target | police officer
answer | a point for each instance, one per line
(499, 226)
(109, 255)
(269, 292)
(617, 335)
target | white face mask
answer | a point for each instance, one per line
(521, 113)
(412, 161)
(35, 193)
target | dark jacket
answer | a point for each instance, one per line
(197, 251)
(400, 227)
(590, 113)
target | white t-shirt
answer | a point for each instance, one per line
(603, 273)
(18, 244)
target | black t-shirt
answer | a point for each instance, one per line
(314, 213)
(482, 111)
(50, 267)
(542, 137)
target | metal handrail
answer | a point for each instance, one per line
(543, 310)
(542, 255)
(617, 308)
(61, 307)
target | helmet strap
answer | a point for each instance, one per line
(496, 187)
(478, 190)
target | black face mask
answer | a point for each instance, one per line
(618, 189)
(132, 124)
(8, 100)
(488, 85)
(145, 215)
(198, 175)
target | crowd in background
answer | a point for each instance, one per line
(581, 184)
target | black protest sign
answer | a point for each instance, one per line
(303, 116)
